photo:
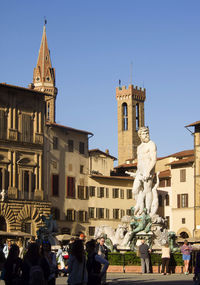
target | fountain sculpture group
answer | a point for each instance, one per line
(144, 222)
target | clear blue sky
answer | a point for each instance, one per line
(92, 45)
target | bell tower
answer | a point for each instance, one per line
(130, 111)
(44, 77)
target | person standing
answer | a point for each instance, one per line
(186, 250)
(77, 264)
(94, 264)
(165, 259)
(6, 248)
(102, 250)
(144, 251)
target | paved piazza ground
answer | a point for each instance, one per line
(139, 279)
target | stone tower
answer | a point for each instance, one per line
(44, 78)
(130, 112)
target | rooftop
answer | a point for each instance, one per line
(68, 128)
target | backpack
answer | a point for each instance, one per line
(36, 275)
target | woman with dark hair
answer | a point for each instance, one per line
(12, 267)
(77, 264)
(35, 269)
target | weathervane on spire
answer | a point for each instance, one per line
(45, 21)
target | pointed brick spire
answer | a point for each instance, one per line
(44, 76)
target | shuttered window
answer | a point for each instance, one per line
(3, 125)
(27, 128)
(70, 191)
(55, 185)
(182, 175)
(182, 200)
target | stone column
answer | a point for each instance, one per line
(10, 118)
(40, 122)
(3, 178)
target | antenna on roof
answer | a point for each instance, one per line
(131, 72)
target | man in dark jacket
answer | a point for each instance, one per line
(102, 250)
(144, 251)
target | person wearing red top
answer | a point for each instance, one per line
(186, 250)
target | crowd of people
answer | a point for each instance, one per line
(37, 264)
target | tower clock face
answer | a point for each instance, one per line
(37, 78)
(48, 78)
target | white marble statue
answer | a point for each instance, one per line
(116, 236)
(142, 186)
(3, 195)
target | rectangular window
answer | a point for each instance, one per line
(81, 192)
(116, 214)
(92, 191)
(168, 182)
(27, 128)
(128, 212)
(129, 194)
(70, 145)
(100, 192)
(183, 175)
(183, 220)
(107, 192)
(91, 231)
(122, 213)
(107, 214)
(70, 193)
(55, 185)
(182, 200)
(70, 216)
(81, 216)
(168, 222)
(55, 143)
(122, 193)
(81, 169)
(87, 192)
(91, 212)
(167, 200)
(3, 124)
(100, 213)
(115, 193)
(162, 183)
(81, 147)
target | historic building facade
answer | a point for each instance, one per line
(22, 117)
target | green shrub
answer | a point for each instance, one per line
(130, 258)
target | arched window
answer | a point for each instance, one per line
(137, 116)
(160, 200)
(3, 225)
(184, 235)
(124, 117)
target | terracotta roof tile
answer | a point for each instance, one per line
(68, 128)
(182, 161)
(193, 124)
(102, 152)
